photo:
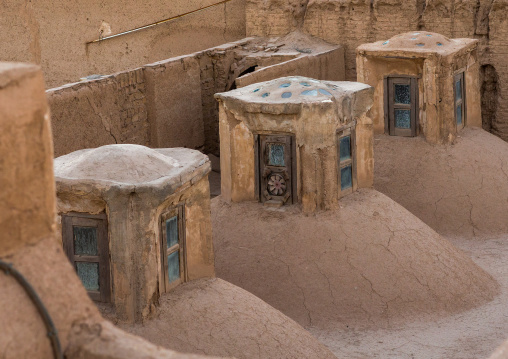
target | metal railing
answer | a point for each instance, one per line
(100, 39)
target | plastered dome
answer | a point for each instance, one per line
(418, 41)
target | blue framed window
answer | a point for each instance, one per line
(346, 160)
(460, 99)
(173, 248)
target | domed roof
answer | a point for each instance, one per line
(127, 164)
(418, 41)
(292, 91)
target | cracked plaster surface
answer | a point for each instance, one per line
(368, 264)
(460, 190)
(217, 318)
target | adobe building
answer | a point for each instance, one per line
(425, 84)
(348, 255)
(295, 140)
(135, 222)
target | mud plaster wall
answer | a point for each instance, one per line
(53, 33)
(134, 243)
(165, 104)
(100, 112)
(353, 23)
(323, 66)
(435, 74)
(316, 150)
(29, 241)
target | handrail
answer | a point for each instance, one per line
(156, 23)
(52, 332)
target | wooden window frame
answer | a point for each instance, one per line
(179, 212)
(100, 221)
(349, 130)
(460, 76)
(260, 142)
(390, 106)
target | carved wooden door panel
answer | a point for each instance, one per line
(275, 168)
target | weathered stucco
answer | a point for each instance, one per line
(131, 184)
(170, 103)
(24, 117)
(313, 120)
(352, 23)
(30, 244)
(434, 67)
(54, 34)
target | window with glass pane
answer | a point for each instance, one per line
(89, 275)
(172, 248)
(403, 119)
(85, 240)
(401, 105)
(460, 101)
(345, 148)
(346, 177)
(276, 154)
(403, 94)
(346, 159)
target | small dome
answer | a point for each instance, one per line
(293, 90)
(131, 164)
(418, 39)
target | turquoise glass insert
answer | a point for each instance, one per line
(88, 272)
(284, 85)
(403, 119)
(276, 155)
(174, 266)
(309, 93)
(459, 115)
(286, 95)
(345, 148)
(346, 178)
(458, 90)
(324, 92)
(403, 94)
(85, 241)
(172, 231)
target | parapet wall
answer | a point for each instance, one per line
(170, 103)
(352, 22)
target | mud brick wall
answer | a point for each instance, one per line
(100, 112)
(353, 22)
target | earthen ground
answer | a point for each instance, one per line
(368, 264)
(472, 334)
(214, 317)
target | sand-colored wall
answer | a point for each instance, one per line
(435, 76)
(373, 70)
(134, 239)
(352, 23)
(54, 33)
(328, 65)
(100, 112)
(167, 103)
(314, 127)
(24, 118)
(31, 245)
(174, 102)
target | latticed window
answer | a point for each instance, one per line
(85, 241)
(173, 256)
(346, 156)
